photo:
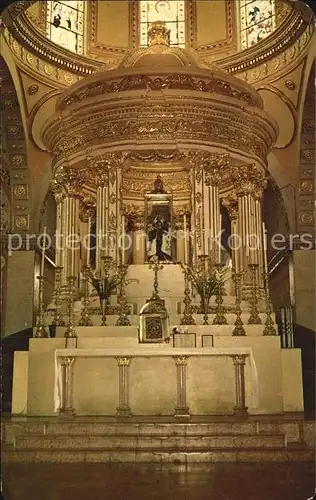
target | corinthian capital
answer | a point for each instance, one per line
(58, 189)
(71, 181)
(248, 179)
(100, 167)
(214, 165)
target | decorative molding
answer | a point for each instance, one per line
(207, 84)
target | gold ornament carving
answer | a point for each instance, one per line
(18, 161)
(20, 192)
(112, 198)
(307, 186)
(174, 81)
(153, 156)
(307, 218)
(125, 361)
(307, 172)
(33, 89)
(290, 84)
(248, 179)
(307, 203)
(112, 222)
(308, 155)
(21, 222)
(181, 360)
(239, 359)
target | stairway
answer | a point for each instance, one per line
(102, 440)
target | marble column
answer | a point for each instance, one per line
(239, 362)
(123, 409)
(67, 407)
(182, 409)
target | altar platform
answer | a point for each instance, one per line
(158, 440)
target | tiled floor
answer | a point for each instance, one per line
(293, 481)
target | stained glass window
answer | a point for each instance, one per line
(65, 24)
(257, 21)
(172, 13)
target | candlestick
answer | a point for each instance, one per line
(70, 331)
(88, 243)
(123, 240)
(124, 309)
(265, 256)
(187, 318)
(85, 319)
(185, 239)
(58, 318)
(254, 318)
(43, 252)
(219, 243)
(220, 318)
(239, 328)
(41, 330)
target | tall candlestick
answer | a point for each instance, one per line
(123, 240)
(43, 252)
(265, 257)
(88, 242)
(185, 239)
(219, 253)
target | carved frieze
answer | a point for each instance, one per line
(174, 82)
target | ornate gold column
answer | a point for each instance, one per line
(67, 184)
(206, 174)
(115, 162)
(58, 191)
(102, 215)
(107, 171)
(249, 183)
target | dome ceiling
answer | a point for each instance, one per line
(214, 30)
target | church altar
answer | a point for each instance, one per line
(163, 164)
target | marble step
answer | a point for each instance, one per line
(61, 428)
(136, 443)
(152, 429)
(150, 456)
